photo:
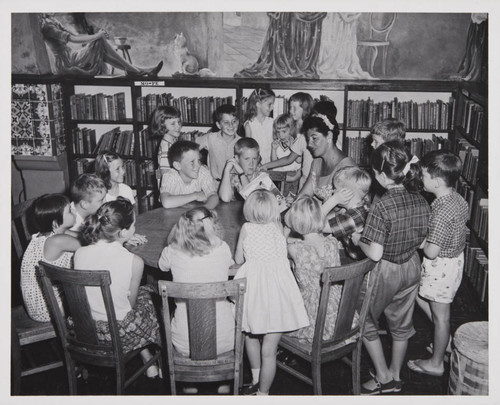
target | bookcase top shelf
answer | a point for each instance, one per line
(318, 84)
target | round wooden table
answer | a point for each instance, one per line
(156, 225)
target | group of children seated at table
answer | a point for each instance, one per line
(89, 233)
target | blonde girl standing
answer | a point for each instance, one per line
(284, 135)
(273, 303)
(300, 107)
(258, 123)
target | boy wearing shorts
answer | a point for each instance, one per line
(443, 263)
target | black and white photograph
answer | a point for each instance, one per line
(150, 259)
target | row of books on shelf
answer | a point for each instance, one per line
(473, 119)
(98, 107)
(199, 110)
(145, 172)
(425, 116)
(146, 202)
(469, 155)
(467, 192)
(359, 149)
(148, 145)
(479, 218)
(476, 269)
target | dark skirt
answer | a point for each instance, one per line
(139, 327)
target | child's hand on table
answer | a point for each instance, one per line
(137, 240)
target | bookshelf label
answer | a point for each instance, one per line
(150, 83)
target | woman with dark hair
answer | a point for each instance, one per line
(92, 58)
(322, 131)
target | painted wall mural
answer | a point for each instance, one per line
(355, 46)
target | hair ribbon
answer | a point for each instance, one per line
(413, 160)
(325, 120)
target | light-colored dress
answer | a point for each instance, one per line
(210, 268)
(124, 191)
(323, 185)
(31, 287)
(309, 266)
(137, 326)
(262, 132)
(272, 302)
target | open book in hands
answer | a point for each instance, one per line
(263, 181)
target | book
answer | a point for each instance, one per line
(264, 182)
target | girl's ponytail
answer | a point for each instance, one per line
(108, 221)
(393, 159)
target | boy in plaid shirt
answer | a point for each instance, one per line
(443, 263)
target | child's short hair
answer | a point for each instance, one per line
(108, 221)
(85, 185)
(389, 129)
(261, 207)
(258, 95)
(191, 236)
(102, 162)
(304, 216)
(284, 121)
(305, 100)
(245, 143)
(225, 109)
(353, 178)
(177, 150)
(391, 158)
(443, 164)
(160, 114)
(45, 210)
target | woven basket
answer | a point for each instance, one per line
(469, 360)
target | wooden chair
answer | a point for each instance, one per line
(80, 343)
(279, 178)
(26, 331)
(379, 38)
(346, 339)
(203, 363)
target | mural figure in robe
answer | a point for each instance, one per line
(474, 64)
(291, 47)
(338, 57)
(92, 58)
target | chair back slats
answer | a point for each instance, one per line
(352, 276)
(202, 329)
(84, 324)
(203, 363)
(20, 232)
(83, 335)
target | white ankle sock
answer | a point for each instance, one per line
(255, 375)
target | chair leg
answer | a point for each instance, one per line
(120, 379)
(316, 377)
(355, 367)
(384, 59)
(15, 357)
(71, 372)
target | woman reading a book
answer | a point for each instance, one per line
(90, 59)
(321, 130)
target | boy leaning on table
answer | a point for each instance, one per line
(188, 180)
